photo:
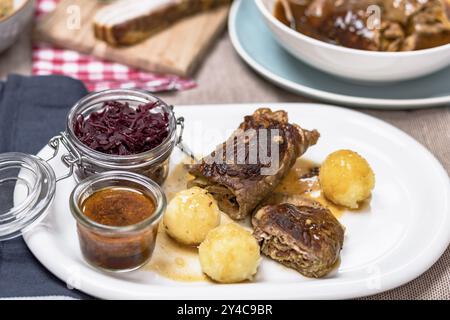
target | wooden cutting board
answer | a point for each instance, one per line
(176, 50)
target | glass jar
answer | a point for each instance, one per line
(86, 162)
(28, 185)
(113, 248)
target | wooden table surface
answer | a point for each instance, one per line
(224, 78)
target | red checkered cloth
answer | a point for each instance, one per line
(95, 73)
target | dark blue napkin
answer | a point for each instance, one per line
(32, 110)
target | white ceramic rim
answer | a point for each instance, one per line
(95, 284)
(391, 104)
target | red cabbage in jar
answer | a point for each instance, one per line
(118, 129)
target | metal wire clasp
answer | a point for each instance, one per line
(180, 144)
(180, 122)
(69, 159)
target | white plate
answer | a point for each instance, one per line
(401, 235)
(254, 42)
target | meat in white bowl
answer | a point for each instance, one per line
(355, 64)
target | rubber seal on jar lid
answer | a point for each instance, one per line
(27, 188)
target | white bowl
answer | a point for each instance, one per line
(11, 26)
(360, 65)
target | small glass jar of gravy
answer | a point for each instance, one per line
(88, 156)
(117, 216)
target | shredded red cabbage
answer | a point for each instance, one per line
(119, 129)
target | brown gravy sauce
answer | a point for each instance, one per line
(300, 17)
(303, 180)
(118, 206)
(175, 261)
(313, 26)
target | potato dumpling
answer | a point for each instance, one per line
(229, 254)
(190, 215)
(346, 178)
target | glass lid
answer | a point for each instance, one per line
(27, 188)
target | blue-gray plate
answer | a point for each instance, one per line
(255, 44)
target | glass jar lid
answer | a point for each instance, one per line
(27, 188)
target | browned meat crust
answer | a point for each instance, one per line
(239, 188)
(299, 233)
(145, 23)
